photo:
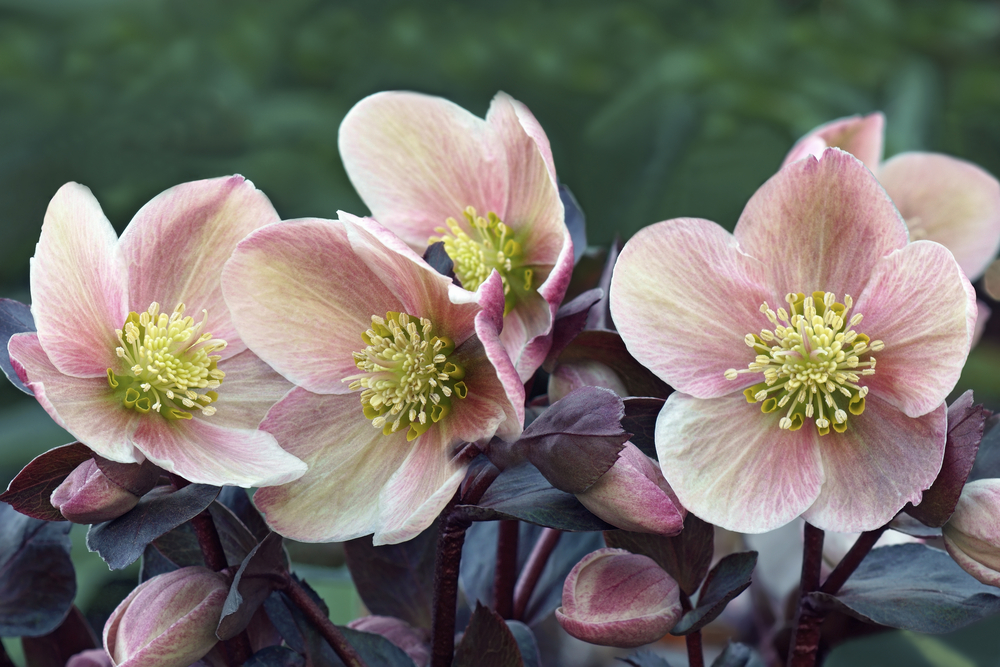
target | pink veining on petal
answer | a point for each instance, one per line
(250, 388)
(78, 285)
(861, 136)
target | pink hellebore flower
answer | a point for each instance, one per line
(431, 171)
(395, 365)
(116, 360)
(972, 534)
(823, 243)
(941, 198)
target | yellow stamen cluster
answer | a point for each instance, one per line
(166, 358)
(408, 379)
(812, 362)
(492, 246)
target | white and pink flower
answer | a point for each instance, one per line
(395, 367)
(117, 361)
(770, 336)
(431, 171)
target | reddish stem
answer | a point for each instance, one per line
(330, 633)
(805, 635)
(696, 657)
(446, 564)
(540, 553)
(506, 570)
(846, 567)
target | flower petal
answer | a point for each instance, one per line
(349, 462)
(249, 390)
(683, 297)
(947, 200)
(733, 466)
(78, 285)
(883, 461)
(301, 298)
(417, 160)
(821, 225)
(861, 136)
(923, 308)
(205, 453)
(177, 244)
(83, 406)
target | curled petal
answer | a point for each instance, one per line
(861, 136)
(949, 201)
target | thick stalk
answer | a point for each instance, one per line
(696, 658)
(446, 564)
(330, 633)
(506, 570)
(805, 635)
(846, 567)
(540, 553)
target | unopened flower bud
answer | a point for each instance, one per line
(972, 535)
(95, 657)
(616, 598)
(583, 373)
(88, 496)
(168, 621)
(633, 495)
(414, 642)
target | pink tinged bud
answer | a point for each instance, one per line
(633, 495)
(583, 373)
(972, 535)
(88, 496)
(616, 598)
(96, 657)
(413, 641)
(168, 621)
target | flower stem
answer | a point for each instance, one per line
(695, 656)
(846, 567)
(540, 553)
(330, 633)
(506, 569)
(805, 635)
(446, 564)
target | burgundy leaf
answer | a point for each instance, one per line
(569, 322)
(29, 492)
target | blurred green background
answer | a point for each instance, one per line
(654, 109)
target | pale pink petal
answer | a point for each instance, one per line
(981, 572)
(982, 316)
(420, 487)
(920, 305)
(249, 390)
(83, 406)
(349, 461)
(733, 466)
(524, 333)
(205, 453)
(78, 285)
(177, 244)
(684, 297)
(861, 136)
(534, 130)
(301, 298)
(883, 461)
(417, 160)
(947, 200)
(820, 225)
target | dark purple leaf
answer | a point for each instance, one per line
(238, 500)
(262, 571)
(600, 315)
(965, 431)
(572, 443)
(912, 587)
(527, 645)
(988, 458)
(576, 222)
(275, 656)
(56, 648)
(729, 578)
(640, 421)
(237, 540)
(120, 542)
(523, 493)
(685, 557)
(29, 492)
(136, 478)
(154, 563)
(279, 611)
(738, 655)
(15, 318)
(439, 260)
(645, 659)
(396, 579)
(608, 348)
(569, 322)
(487, 642)
(37, 581)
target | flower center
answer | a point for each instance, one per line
(408, 378)
(814, 362)
(167, 358)
(493, 247)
